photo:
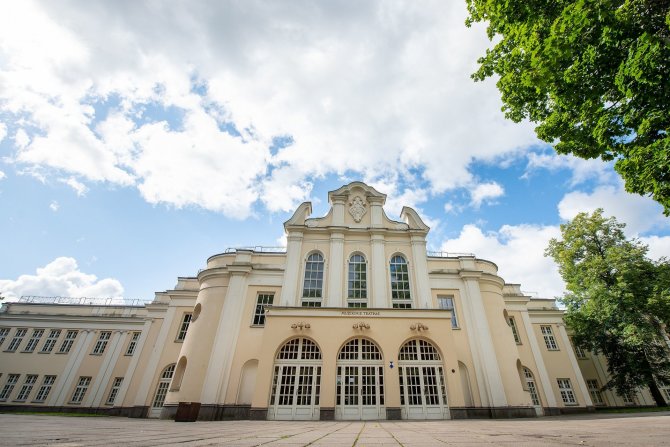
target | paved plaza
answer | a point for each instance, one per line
(641, 429)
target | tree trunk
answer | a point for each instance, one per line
(656, 394)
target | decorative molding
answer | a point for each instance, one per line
(418, 327)
(361, 325)
(300, 326)
(357, 208)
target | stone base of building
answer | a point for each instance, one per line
(556, 411)
(209, 412)
(131, 412)
(492, 412)
(327, 414)
(393, 414)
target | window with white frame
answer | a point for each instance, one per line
(549, 339)
(581, 354)
(132, 344)
(34, 340)
(357, 284)
(183, 328)
(12, 380)
(18, 338)
(27, 387)
(65, 347)
(512, 324)
(565, 388)
(114, 390)
(594, 391)
(262, 300)
(80, 390)
(51, 340)
(45, 388)
(400, 293)
(101, 344)
(4, 332)
(628, 398)
(447, 303)
(312, 290)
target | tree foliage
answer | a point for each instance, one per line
(595, 75)
(617, 300)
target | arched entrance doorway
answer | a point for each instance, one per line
(161, 391)
(296, 381)
(360, 381)
(423, 391)
(532, 389)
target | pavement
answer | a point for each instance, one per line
(638, 429)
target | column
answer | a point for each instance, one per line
(294, 261)
(152, 365)
(422, 287)
(575, 366)
(378, 270)
(334, 297)
(543, 375)
(491, 389)
(100, 381)
(64, 383)
(225, 340)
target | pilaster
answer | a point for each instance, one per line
(101, 379)
(64, 384)
(289, 290)
(423, 298)
(575, 366)
(378, 270)
(542, 373)
(334, 297)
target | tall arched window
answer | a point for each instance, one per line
(357, 295)
(312, 291)
(400, 295)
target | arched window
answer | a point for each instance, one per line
(423, 390)
(400, 295)
(161, 390)
(312, 291)
(357, 295)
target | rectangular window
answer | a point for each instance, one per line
(51, 340)
(11, 382)
(16, 341)
(581, 354)
(4, 332)
(565, 387)
(101, 344)
(32, 343)
(133, 343)
(264, 299)
(27, 387)
(447, 303)
(116, 386)
(65, 347)
(80, 390)
(45, 388)
(400, 290)
(512, 323)
(185, 322)
(549, 339)
(594, 391)
(628, 399)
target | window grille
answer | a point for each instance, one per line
(530, 382)
(16, 341)
(132, 345)
(263, 299)
(3, 335)
(357, 282)
(116, 386)
(11, 382)
(65, 347)
(400, 292)
(101, 344)
(80, 390)
(51, 340)
(447, 303)
(512, 324)
(45, 388)
(312, 291)
(549, 339)
(183, 329)
(565, 388)
(34, 340)
(27, 387)
(594, 391)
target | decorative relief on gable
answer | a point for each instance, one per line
(357, 208)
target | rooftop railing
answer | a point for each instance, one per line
(257, 249)
(83, 300)
(447, 254)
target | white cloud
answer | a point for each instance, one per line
(659, 246)
(2, 175)
(377, 89)
(54, 206)
(640, 214)
(3, 131)
(519, 253)
(485, 192)
(21, 139)
(61, 277)
(73, 183)
(582, 170)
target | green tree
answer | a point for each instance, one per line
(595, 76)
(617, 301)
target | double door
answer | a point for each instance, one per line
(295, 392)
(423, 392)
(360, 392)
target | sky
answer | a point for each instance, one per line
(139, 138)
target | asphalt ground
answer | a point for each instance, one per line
(631, 429)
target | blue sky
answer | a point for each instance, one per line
(138, 139)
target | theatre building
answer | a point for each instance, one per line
(353, 320)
